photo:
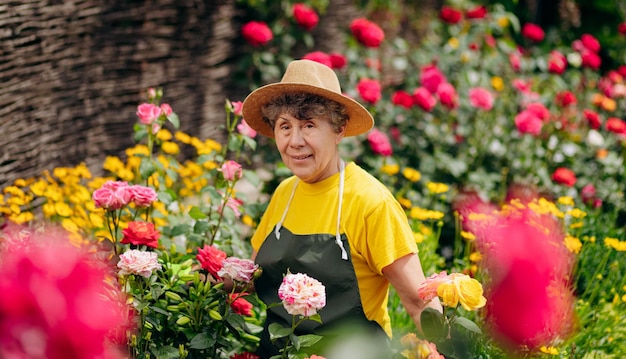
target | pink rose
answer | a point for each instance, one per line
(565, 98)
(533, 32)
(431, 77)
(515, 61)
(557, 62)
(450, 15)
(142, 196)
(301, 294)
(621, 28)
(481, 98)
(237, 107)
(527, 122)
(242, 307)
(237, 269)
(402, 98)
(319, 56)
(477, 12)
(616, 125)
(593, 119)
(539, 110)
(590, 43)
(138, 262)
(305, 16)
(367, 32)
(447, 95)
(338, 60)
(234, 204)
(246, 130)
(379, 142)
(211, 259)
(257, 33)
(112, 195)
(369, 90)
(427, 291)
(231, 170)
(166, 109)
(148, 113)
(424, 99)
(564, 176)
(591, 60)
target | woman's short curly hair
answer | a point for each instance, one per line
(305, 106)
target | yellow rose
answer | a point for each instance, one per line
(470, 292)
(448, 294)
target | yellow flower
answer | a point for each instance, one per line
(566, 200)
(164, 135)
(503, 21)
(448, 294)
(549, 350)
(182, 137)
(424, 214)
(470, 292)
(437, 188)
(170, 147)
(475, 257)
(62, 209)
(411, 174)
(390, 169)
(453, 42)
(247, 220)
(577, 213)
(419, 237)
(573, 244)
(468, 236)
(138, 150)
(497, 83)
(405, 202)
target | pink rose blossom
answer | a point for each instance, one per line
(593, 119)
(450, 15)
(142, 196)
(591, 60)
(424, 99)
(301, 294)
(528, 122)
(306, 17)
(557, 62)
(481, 98)
(533, 32)
(590, 43)
(447, 95)
(246, 130)
(402, 98)
(237, 106)
(240, 305)
(477, 12)
(539, 110)
(427, 291)
(367, 32)
(138, 262)
(237, 269)
(431, 78)
(369, 90)
(515, 61)
(338, 60)
(112, 195)
(616, 125)
(211, 259)
(379, 142)
(319, 56)
(166, 109)
(257, 33)
(148, 113)
(234, 204)
(231, 170)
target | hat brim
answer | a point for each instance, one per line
(360, 119)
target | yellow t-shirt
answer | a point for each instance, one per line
(375, 225)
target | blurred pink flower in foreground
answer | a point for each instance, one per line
(55, 302)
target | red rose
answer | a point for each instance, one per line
(565, 98)
(245, 355)
(424, 99)
(450, 15)
(367, 32)
(593, 119)
(590, 42)
(369, 90)
(257, 33)
(591, 60)
(305, 16)
(564, 176)
(533, 32)
(402, 98)
(616, 125)
(338, 60)
(527, 122)
(447, 95)
(139, 233)
(239, 305)
(431, 77)
(621, 28)
(478, 12)
(557, 62)
(211, 258)
(319, 56)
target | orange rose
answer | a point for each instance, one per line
(139, 233)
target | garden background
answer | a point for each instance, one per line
(500, 128)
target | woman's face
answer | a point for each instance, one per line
(308, 147)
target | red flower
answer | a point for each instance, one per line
(447, 95)
(337, 60)
(305, 16)
(591, 60)
(478, 12)
(621, 28)
(239, 305)
(564, 176)
(450, 15)
(431, 77)
(367, 32)
(139, 233)
(424, 99)
(528, 122)
(533, 32)
(557, 62)
(257, 33)
(369, 90)
(616, 125)
(379, 142)
(539, 110)
(245, 355)
(211, 258)
(593, 118)
(565, 98)
(590, 43)
(319, 56)
(402, 98)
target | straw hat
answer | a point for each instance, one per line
(311, 77)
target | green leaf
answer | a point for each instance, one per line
(433, 324)
(196, 213)
(174, 120)
(250, 142)
(166, 196)
(167, 352)
(295, 341)
(201, 227)
(146, 168)
(180, 229)
(308, 340)
(278, 331)
(467, 324)
(201, 341)
(233, 143)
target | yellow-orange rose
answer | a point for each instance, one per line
(470, 292)
(448, 294)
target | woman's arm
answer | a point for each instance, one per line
(406, 275)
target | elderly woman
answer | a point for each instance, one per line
(331, 220)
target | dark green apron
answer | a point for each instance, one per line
(323, 257)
